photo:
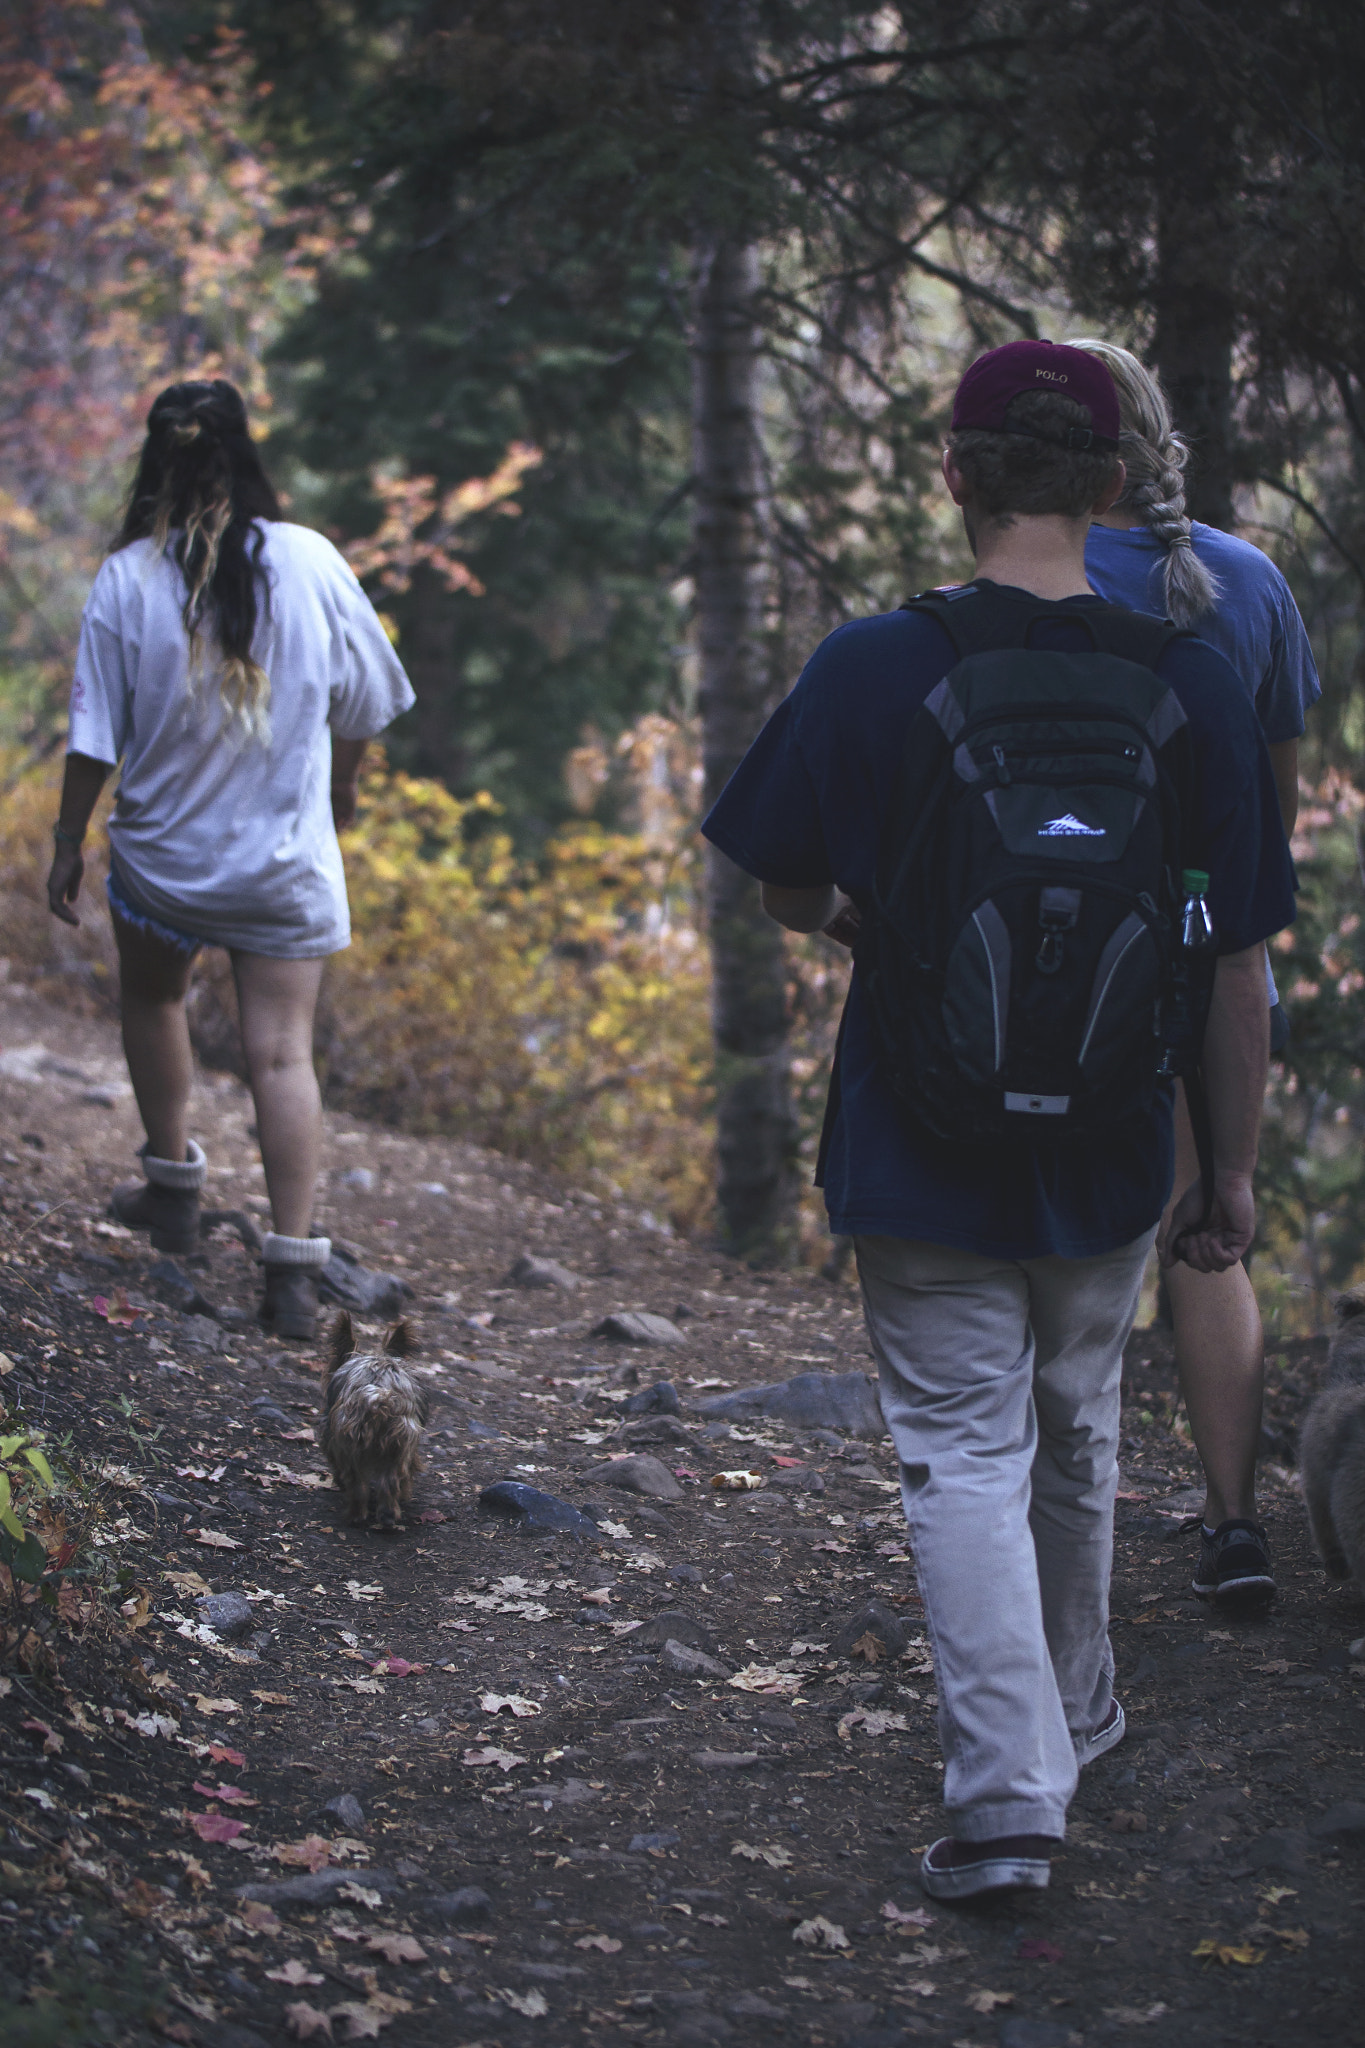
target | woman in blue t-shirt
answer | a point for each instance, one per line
(1147, 554)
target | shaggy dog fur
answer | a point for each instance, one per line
(1332, 1450)
(372, 1421)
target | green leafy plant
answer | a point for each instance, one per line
(24, 1469)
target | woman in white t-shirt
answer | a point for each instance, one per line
(234, 666)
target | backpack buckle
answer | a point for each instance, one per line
(1058, 911)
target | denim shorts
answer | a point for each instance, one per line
(129, 911)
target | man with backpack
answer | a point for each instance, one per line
(1032, 806)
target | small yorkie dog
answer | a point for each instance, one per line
(372, 1420)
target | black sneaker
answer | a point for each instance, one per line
(1234, 1565)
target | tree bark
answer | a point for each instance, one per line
(755, 1129)
(428, 651)
(1192, 294)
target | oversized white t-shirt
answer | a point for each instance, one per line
(226, 838)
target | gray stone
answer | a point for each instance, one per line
(686, 1575)
(345, 1281)
(573, 1792)
(460, 1908)
(665, 1839)
(319, 1884)
(660, 1399)
(1344, 1822)
(529, 1271)
(229, 1615)
(673, 1625)
(178, 1291)
(347, 1809)
(804, 1480)
(689, 1663)
(871, 1619)
(533, 1510)
(750, 2006)
(1278, 1849)
(654, 1429)
(636, 1326)
(1017, 2032)
(726, 1759)
(828, 1400)
(201, 1334)
(637, 1475)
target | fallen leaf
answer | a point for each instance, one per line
(755, 1852)
(736, 1482)
(305, 2021)
(258, 1919)
(188, 1582)
(596, 1596)
(604, 1942)
(204, 1705)
(1036, 1948)
(295, 1972)
(1127, 1821)
(219, 1753)
(505, 1759)
(800, 1649)
(872, 1721)
(1226, 1953)
(713, 1920)
(273, 1699)
(788, 1464)
(366, 1685)
(870, 1648)
(216, 1827)
(363, 2021)
(1292, 1937)
(531, 2004)
(52, 1742)
(214, 1539)
(311, 1854)
(1276, 1668)
(363, 1895)
(396, 1948)
(1273, 1893)
(916, 1917)
(394, 1667)
(136, 1608)
(820, 1933)
(40, 1798)
(987, 2001)
(116, 1309)
(231, 1795)
(1135, 2016)
(494, 1702)
(766, 1678)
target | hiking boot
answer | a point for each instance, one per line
(1107, 1736)
(967, 1870)
(166, 1203)
(293, 1266)
(1234, 1565)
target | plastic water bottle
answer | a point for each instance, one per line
(1199, 948)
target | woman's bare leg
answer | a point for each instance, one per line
(1220, 1357)
(276, 1000)
(153, 980)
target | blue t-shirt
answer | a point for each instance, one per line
(1255, 624)
(805, 808)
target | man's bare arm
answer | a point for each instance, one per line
(82, 782)
(1284, 766)
(800, 910)
(1236, 1058)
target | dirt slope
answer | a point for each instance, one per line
(669, 1858)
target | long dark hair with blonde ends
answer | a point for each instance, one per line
(199, 489)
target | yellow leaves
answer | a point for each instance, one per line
(1227, 1953)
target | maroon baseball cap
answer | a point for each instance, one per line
(1005, 373)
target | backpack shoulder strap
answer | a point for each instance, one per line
(978, 617)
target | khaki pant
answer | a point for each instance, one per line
(1000, 1385)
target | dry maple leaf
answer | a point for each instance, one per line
(505, 1759)
(987, 2001)
(204, 1705)
(916, 1917)
(531, 2004)
(216, 1827)
(219, 1753)
(305, 2020)
(258, 1919)
(1226, 1952)
(870, 1648)
(214, 1539)
(52, 1742)
(396, 1948)
(872, 1721)
(755, 1852)
(116, 1309)
(362, 1895)
(311, 1854)
(522, 1709)
(363, 2021)
(273, 1699)
(295, 1972)
(231, 1795)
(820, 1933)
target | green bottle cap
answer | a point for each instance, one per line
(1194, 881)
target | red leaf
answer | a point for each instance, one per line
(220, 1754)
(116, 1308)
(431, 1515)
(1038, 1949)
(394, 1667)
(231, 1795)
(216, 1827)
(790, 1463)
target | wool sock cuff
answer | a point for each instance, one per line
(187, 1174)
(296, 1251)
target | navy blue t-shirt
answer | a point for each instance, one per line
(805, 808)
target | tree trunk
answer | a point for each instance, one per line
(428, 651)
(1195, 319)
(756, 1140)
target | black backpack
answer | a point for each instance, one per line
(1021, 956)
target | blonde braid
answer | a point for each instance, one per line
(1155, 456)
